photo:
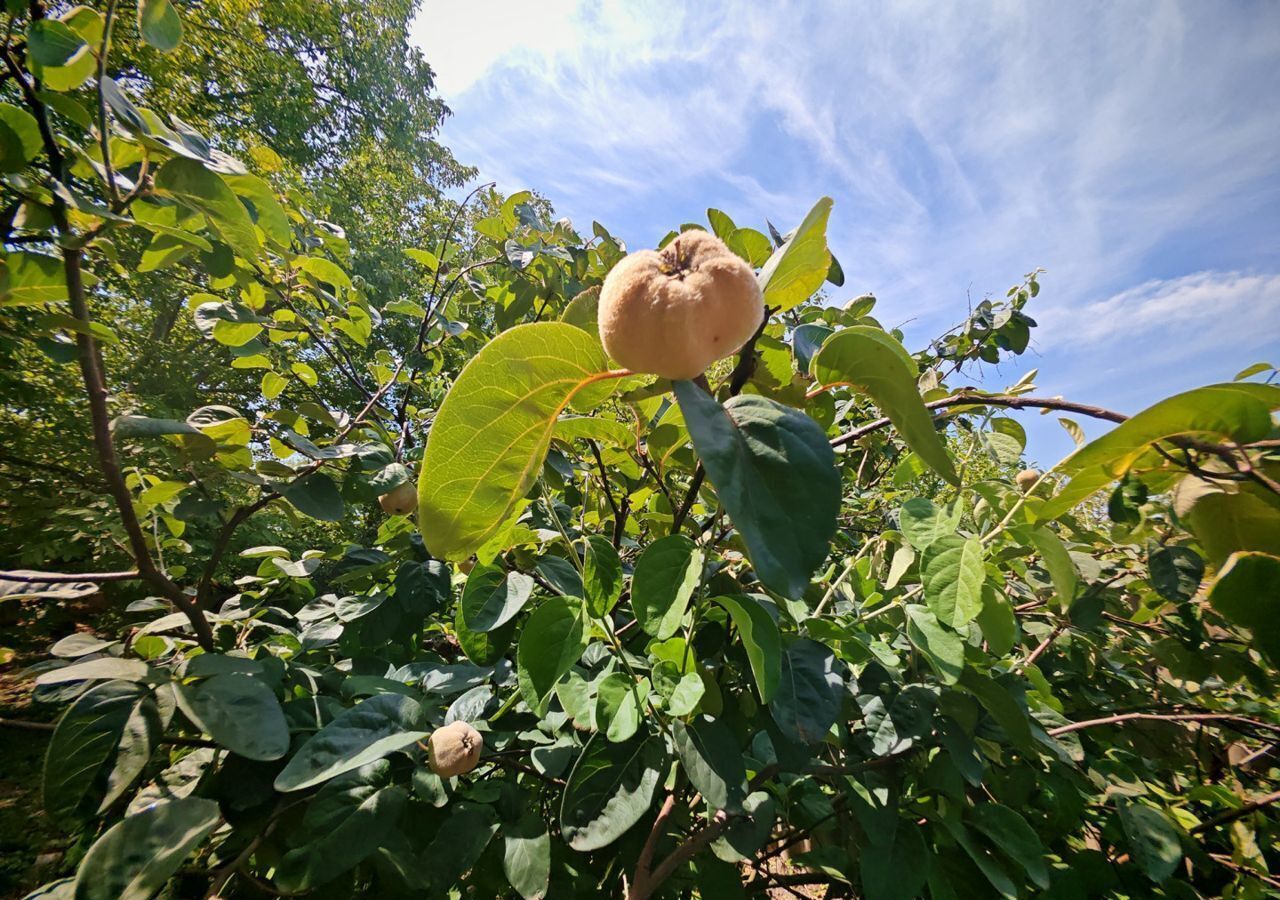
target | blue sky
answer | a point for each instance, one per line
(1130, 149)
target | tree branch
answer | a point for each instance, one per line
(24, 576)
(1004, 400)
(1162, 717)
(1231, 815)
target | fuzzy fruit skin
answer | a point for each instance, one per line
(1026, 479)
(454, 749)
(400, 500)
(675, 311)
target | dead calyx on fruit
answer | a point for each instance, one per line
(400, 500)
(454, 749)
(675, 311)
(1026, 479)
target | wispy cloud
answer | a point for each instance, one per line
(1128, 148)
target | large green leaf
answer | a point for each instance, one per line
(526, 856)
(1228, 516)
(135, 857)
(159, 25)
(348, 820)
(1057, 561)
(760, 638)
(1154, 838)
(1009, 832)
(775, 475)
(551, 641)
(868, 359)
(942, 647)
(713, 761)
(19, 138)
(610, 788)
(1247, 591)
(1239, 412)
(617, 710)
(191, 183)
(238, 711)
(492, 597)
(799, 266)
(601, 576)
(809, 694)
(491, 435)
(101, 745)
(953, 576)
(923, 522)
(665, 578)
(359, 735)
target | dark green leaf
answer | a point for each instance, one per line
(610, 788)
(713, 761)
(774, 472)
(809, 694)
(359, 735)
(550, 643)
(759, 635)
(238, 711)
(601, 576)
(492, 597)
(135, 858)
(666, 576)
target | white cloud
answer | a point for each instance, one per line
(1113, 144)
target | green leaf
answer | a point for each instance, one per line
(666, 576)
(1007, 712)
(30, 279)
(20, 139)
(618, 706)
(810, 693)
(492, 597)
(550, 643)
(583, 311)
(1153, 837)
(899, 873)
(267, 212)
(610, 789)
(1175, 572)
(52, 43)
(323, 270)
(239, 712)
(923, 523)
(195, 186)
(594, 428)
(135, 857)
(1056, 559)
(942, 647)
(1227, 517)
(799, 266)
(159, 25)
(359, 735)
(484, 648)
(759, 634)
(868, 359)
(349, 819)
(713, 761)
(526, 856)
(492, 432)
(1009, 833)
(774, 473)
(315, 495)
(101, 745)
(953, 574)
(1245, 592)
(1232, 412)
(601, 576)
